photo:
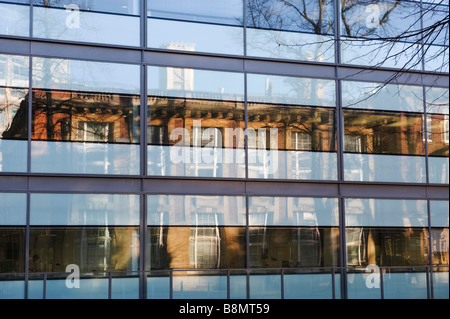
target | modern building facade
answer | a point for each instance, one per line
(224, 149)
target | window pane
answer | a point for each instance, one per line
(75, 22)
(290, 30)
(196, 210)
(14, 82)
(385, 212)
(15, 19)
(293, 211)
(199, 37)
(437, 100)
(439, 249)
(201, 247)
(197, 10)
(383, 132)
(199, 25)
(395, 23)
(93, 249)
(265, 286)
(384, 168)
(84, 209)
(438, 134)
(293, 247)
(311, 286)
(380, 96)
(439, 213)
(189, 285)
(91, 102)
(85, 117)
(287, 127)
(12, 246)
(13, 208)
(114, 6)
(196, 123)
(387, 247)
(265, 88)
(195, 83)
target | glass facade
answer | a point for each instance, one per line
(246, 149)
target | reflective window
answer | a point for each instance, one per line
(13, 208)
(15, 19)
(437, 103)
(195, 247)
(196, 210)
(90, 102)
(200, 25)
(394, 23)
(195, 123)
(385, 212)
(391, 246)
(265, 88)
(380, 96)
(293, 247)
(14, 82)
(288, 136)
(92, 249)
(84, 209)
(290, 30)
(126, 7)
(12, 247)
(383, 132)
(110, 22)
(293, 211)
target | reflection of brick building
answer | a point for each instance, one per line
(84, 116)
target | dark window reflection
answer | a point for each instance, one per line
(383, 132)
(387, 246)
(13, 113)
(297, 127)
(440, 247)
(315, 16)
(438, 134)
(292, 247)
(195, 122)
(113, 6)
(85, 117)
(196, 247)
(91, 248)
(12, 247)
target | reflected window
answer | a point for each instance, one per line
(440, 247)
(85, 117)
(93, 249)
(387, 246)
(438, 134)
(383, 132)
(290, 127)
(196, 247)
(195, 122)
(293, 247)
(13, 97)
